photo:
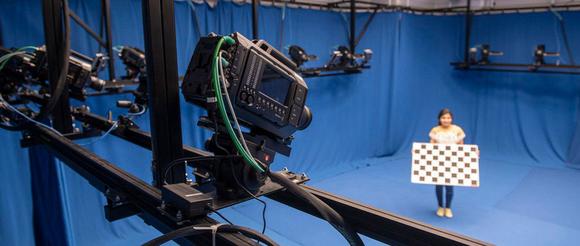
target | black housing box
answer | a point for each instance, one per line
(189, 201)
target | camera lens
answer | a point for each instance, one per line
(305, 119)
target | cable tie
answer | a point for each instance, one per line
(213, 228)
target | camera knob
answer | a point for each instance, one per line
(243, 96)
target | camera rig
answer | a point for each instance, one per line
(342, 61)
(227, 172)
(264, 93)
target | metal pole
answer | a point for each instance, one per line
(106, 8)
(467, 32)
(86, 27)
(365, 27)
(161, 58)
(352, 25)
(255, 12)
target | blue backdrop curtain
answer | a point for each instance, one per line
(517, 117)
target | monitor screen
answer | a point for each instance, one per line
(275, 85)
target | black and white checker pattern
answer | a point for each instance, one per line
(445, 164)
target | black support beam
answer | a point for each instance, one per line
(467, 32)
(378, 224)
(161, 55)
(86, 27)
(255, 18)
(352, 26)
(129, 133)
(106, 9)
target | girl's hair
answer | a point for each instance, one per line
(443, 112)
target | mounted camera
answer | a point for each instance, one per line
(30, 67)
(267, 96)
(134, 61)
(23, 80)
(480, 54)
(299, 55)
(540, 53)
(135, 66)
(82, 73)
(21, 67)
(346, 60)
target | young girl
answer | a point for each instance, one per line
(445, 133)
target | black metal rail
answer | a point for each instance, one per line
(378, 224)
(520, 68)
(505, 67)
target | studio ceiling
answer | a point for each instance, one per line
(426, 5)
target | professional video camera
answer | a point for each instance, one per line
(299, 55)
(135, 66)
(540, 54)
(23, 80)
(134, 61)
(480, 54)
(18, 67)
(30, 67)
(345, 59)
(267, 96)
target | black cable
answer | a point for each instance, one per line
(329, 214)
(566, 43)
(61, 83)
(560, 20)
(252, 195)
(220, 215)
(199, 229)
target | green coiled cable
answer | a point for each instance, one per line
(222, 108)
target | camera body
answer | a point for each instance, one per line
(22, 68)
(266, 92)
(82, 71)
(32, 68)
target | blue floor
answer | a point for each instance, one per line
(517, 204)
